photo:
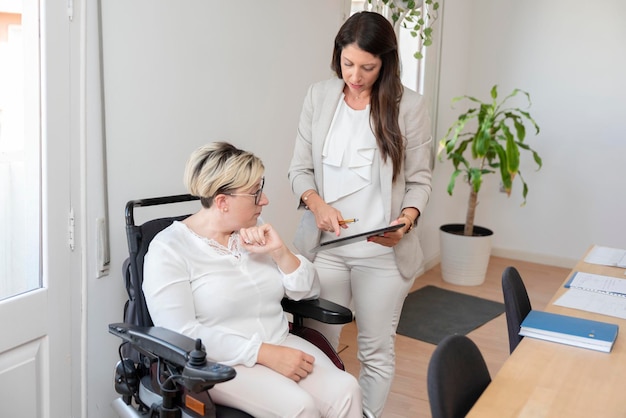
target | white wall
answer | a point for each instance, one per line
(570, 56)
(181, 74)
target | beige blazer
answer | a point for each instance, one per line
(411, 188)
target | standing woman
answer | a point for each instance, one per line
(363, 150)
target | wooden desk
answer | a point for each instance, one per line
(546, 379)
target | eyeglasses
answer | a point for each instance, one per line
(257, 194)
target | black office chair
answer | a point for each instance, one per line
(457, 376)
(516, 304)
(162, 372)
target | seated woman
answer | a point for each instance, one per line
(220, 275)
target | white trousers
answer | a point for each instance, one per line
(262, 392)
(376, 291)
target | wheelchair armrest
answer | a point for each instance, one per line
(156, 342)
(319, 309)
(176, 349)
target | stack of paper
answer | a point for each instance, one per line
(593, 302)
(570, 330)
(606, 256)
(595, 293)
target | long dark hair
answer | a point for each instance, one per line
(373, 33)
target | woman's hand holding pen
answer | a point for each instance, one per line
(327, 217)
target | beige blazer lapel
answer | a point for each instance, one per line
(328, 106)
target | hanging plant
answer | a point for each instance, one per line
(416, 16)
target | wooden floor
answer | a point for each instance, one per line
(408, 397)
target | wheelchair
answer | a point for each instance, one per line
(164, 374)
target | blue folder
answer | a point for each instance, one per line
(579, 332)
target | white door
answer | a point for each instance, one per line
(38, 293)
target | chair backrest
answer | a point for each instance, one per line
(457, 376)
(516, 304)
(139, 238)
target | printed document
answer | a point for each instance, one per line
(601, 303)
(597, 283)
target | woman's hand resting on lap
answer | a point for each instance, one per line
(289, 362)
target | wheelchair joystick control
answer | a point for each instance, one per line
(197, 358)
(199, 374)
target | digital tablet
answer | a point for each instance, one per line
(354, 238)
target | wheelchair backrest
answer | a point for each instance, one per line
(139, 238)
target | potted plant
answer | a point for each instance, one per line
(491, 145)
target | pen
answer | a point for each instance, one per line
(347, 221)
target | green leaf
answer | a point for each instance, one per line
(475, 178)
(520, 129)
(505, 176)
(524, 188)
(531, 120)
(537, 159)
(512, 154)
(453, 181)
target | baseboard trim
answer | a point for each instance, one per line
(548, 260)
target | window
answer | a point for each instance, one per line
(19, 153)
(419, 75)
(413, 70)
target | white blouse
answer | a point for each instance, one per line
(351, 164)
(226, 296)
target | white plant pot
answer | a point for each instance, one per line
(464, 260)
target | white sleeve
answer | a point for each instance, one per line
(302, 283)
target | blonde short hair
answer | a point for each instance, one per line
(220, 167)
